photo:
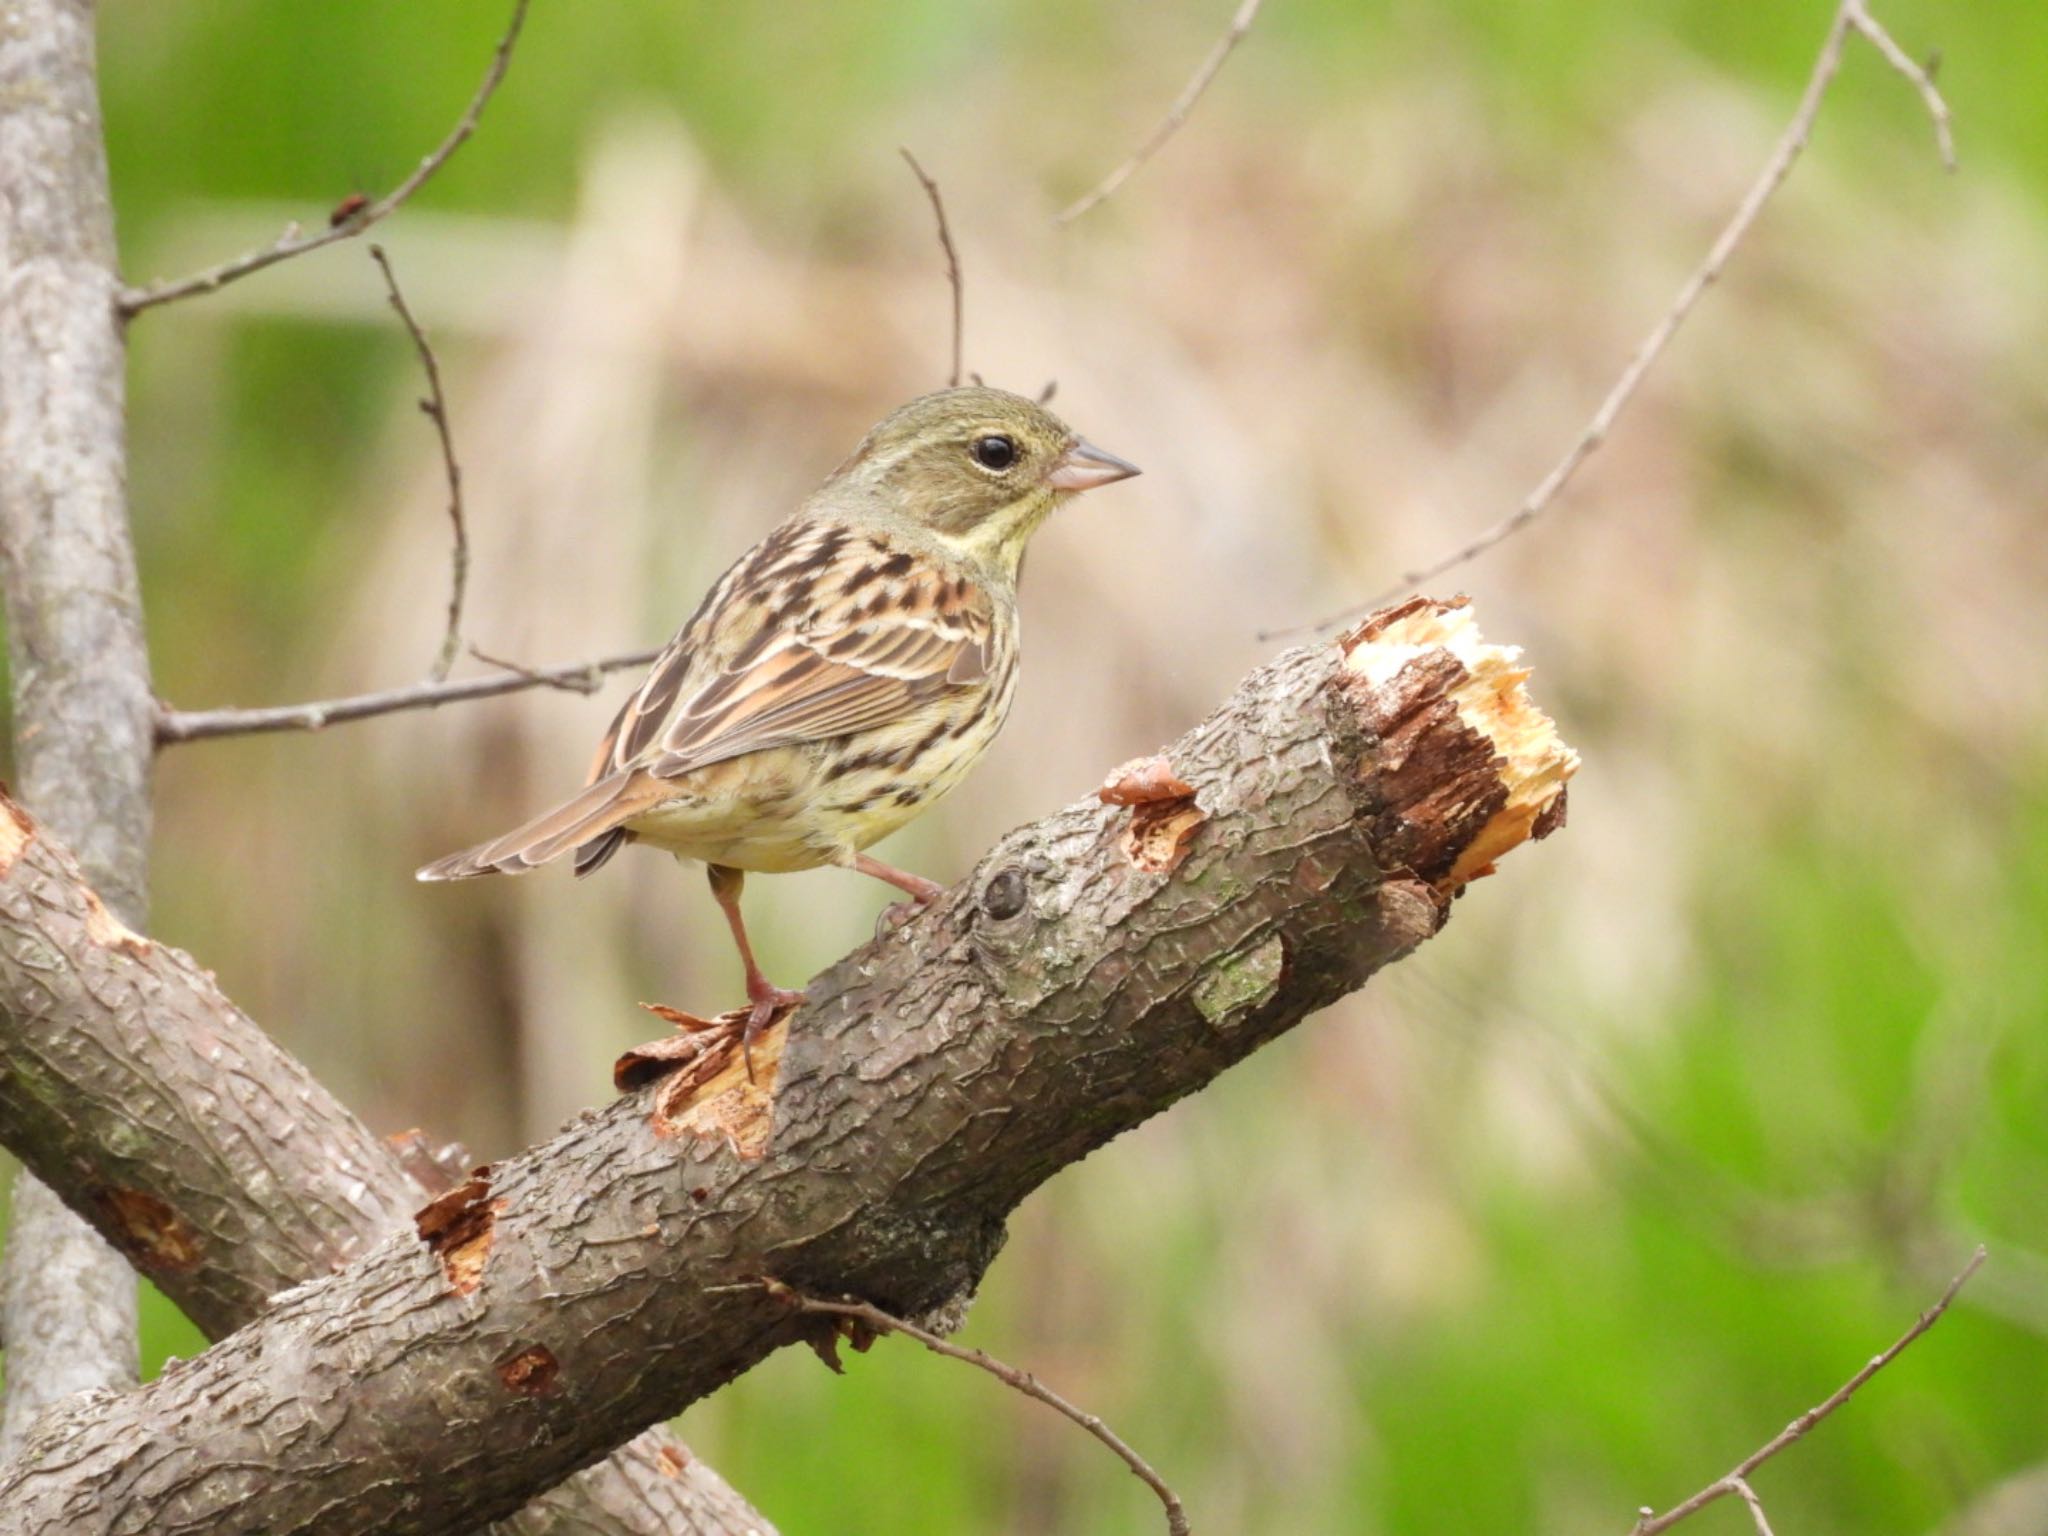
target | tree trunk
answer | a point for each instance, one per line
(69, 1304)
(1094, 968)
(83, 710)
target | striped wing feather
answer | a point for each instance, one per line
(747, 674)
(820, 631)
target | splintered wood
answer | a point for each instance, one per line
(459, 1228)
(710, 1085)
(1487, 765)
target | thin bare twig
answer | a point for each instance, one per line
(132, 301)
(1757, 1516)
(585, 682)
(179, 725)
(1850, 17)
(435, 408)
(1176, 114)
(1921, 78)
(931, 190)
(878, 1321)
(1736, 1482)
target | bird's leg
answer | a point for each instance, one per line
(767, 998)
(922, 891)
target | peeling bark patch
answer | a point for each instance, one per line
(16, 831)
(1157, 838)
(1142, 781)
(671, 1460)
(458, 1229)
(717, 1100)
(532, 1372)
(108, 931)
(1163, 812)
(651, 1062)
(1234, 986)
(149, 1232)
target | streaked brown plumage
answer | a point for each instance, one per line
(841, 676)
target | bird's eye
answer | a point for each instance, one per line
(994, 452)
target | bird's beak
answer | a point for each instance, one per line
(1085, 466)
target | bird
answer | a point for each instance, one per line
(839, 678)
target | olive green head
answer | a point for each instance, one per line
(980, 468)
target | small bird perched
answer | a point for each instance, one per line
(844, 673)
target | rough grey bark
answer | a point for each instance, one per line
(280, 1177)
(219, 1166)
(83, 711)
(70, 1301)
(1095, 968)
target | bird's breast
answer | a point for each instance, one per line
(873, 782)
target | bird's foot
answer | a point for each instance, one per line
(897, 913)
(769, 1002)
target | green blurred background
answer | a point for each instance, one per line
(1690, 1109)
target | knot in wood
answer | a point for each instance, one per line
(1007, 893)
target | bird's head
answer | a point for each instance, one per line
(978, 468)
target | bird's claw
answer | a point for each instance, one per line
(897, 913)
(769, 1004)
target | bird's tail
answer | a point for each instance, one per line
(590, 823)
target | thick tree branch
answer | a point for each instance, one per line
(133, 301)
(1851, 17)
(216, 1162)
(1094, 968)
(82, 706)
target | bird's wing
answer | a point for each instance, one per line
(820, 631)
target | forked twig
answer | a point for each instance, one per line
(878, 1321)
(1850, 17)
(1183, 105)
(132, 301)
(1921, 78)
(1757, 1517)
(585, 682)
(435, 408)
(1736, 1482)
(931, 190)
(180, 725)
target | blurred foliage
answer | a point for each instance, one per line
(1690, 1110)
